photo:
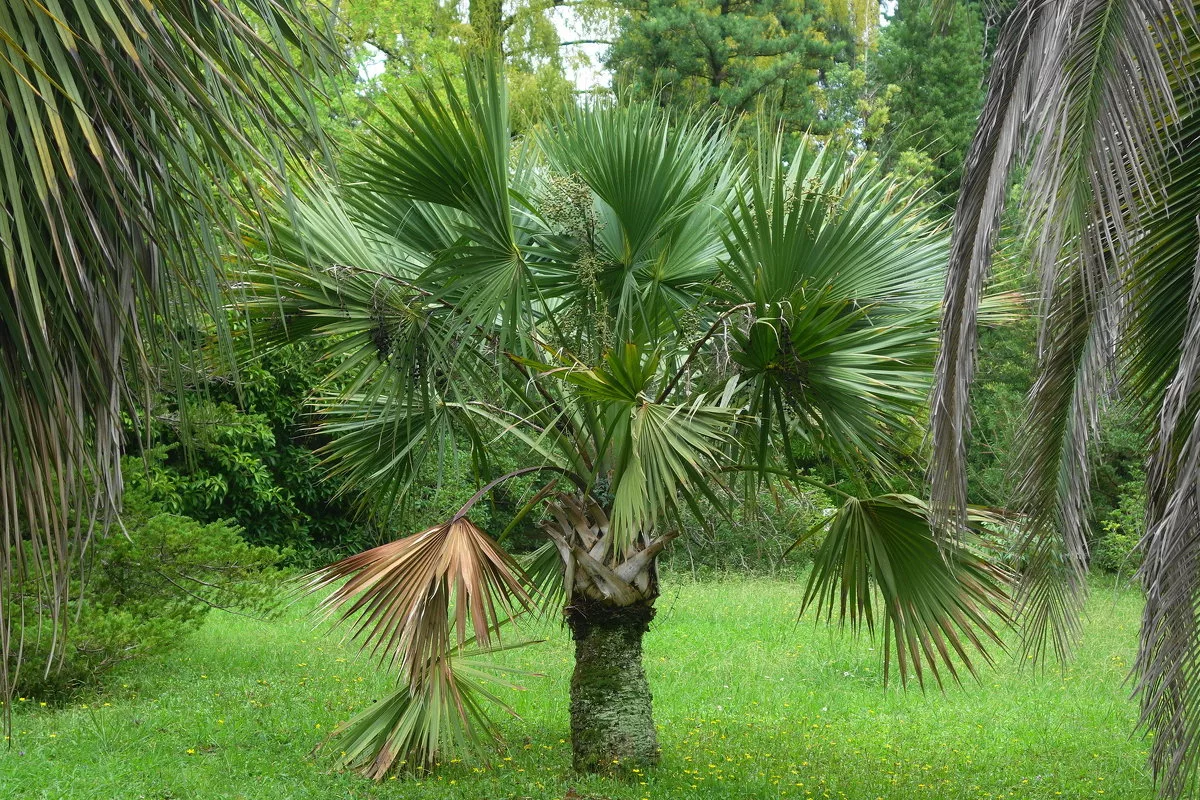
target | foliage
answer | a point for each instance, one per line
(1004, 378)
(937, 72)
(652, 325)
(247, 449)
(243, 449)
(1116, 548)
(852, 110)
(143, 588)
(738, 57)
(759, 538)
(391, 43)
(127, 130)
(1111, 203)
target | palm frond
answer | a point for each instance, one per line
(1021, 54)
(450, 148)
(937, 609)
(660, 450)
(127, 132)
(416, 598)
(1054, 465)
(657, 186)
(1164, 338)
(833, 375)
(1112, 191)
(839, 276)
(412, 729)
(824, 222)
(431, 604)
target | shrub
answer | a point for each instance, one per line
(755, 541)
(144, 589)
(1115, 549)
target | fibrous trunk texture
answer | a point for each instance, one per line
(612, 723)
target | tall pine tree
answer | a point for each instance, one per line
(939, 71)
(738, 55)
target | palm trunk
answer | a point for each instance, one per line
(612, 721)
(611, 603)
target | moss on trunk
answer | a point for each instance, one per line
(612, 723)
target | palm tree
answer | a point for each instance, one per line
(659, 326)
(125, 129)
(1101, 96)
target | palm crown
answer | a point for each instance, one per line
(658, 324)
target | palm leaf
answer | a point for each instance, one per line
(1020, 57)
(1111, 129)
(412, 729)
(1164, 335)
(660, 450)
(936, 608)
(127, 132)
(417, 597)
(826, 222)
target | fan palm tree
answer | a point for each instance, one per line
(659, 326)
(125, 128)
(1100, 96)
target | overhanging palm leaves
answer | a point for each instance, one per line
(1104, 93)
(932, 607)
(601, 297)
(126, 129)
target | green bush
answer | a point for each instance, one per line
(143, 590)
(1115, 549)
(242, 446)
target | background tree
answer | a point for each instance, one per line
(736, 56)
(860, 17)
(391, 43)
(938, 74)
(854, 112)
(656, 329)
(1104, 96)
(125, 132)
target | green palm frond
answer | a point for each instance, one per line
(661, 451)
(833, 375)
(934, 606)
(128, 130)
(841, 278)
(658, 186)
(823, 222)
(451, 149)
(414, 729)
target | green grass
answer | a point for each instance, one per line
(750, 705)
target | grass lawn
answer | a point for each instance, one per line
(750, 704)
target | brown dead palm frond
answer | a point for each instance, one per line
(433, 604)
(416, 598)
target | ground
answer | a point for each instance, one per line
(750, 703)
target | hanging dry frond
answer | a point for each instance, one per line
(416, 598)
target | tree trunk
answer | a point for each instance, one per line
(612, 723)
